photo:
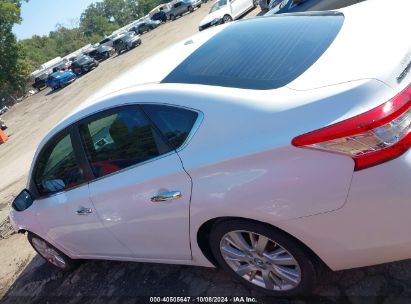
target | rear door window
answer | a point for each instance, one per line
(173, 122)
(120, 139)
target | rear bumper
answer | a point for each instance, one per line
(374, 225)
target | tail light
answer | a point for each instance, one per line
(371, 138)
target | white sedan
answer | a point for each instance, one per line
(269, 146)
(224, 11)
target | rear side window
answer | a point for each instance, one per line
(57, 168)
(261, 53)
(174, 123)
(120, 139)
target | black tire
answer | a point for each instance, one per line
(199, 5)
(172, 17)
(69, 263)
(255, 3)
(227, 18)
(306, 262)
(190, 9)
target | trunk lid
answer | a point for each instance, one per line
(370, 45)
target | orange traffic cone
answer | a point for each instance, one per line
(3, 137)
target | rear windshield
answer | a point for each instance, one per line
(262, 53)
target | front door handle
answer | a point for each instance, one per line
(169, 196)
(84, 211)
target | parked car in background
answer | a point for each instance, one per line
(62, 66)
(101, 52)
(40, 82)
(159, 16)
(294, 6)
(145, 26)
(181, 7)
(265, 4)
(4, 110)
(106, 41)
(83, 64)
(223, 11)
(60, 79)
(127, 42)
(2, 125)
(153, 23)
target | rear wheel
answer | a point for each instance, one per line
(227, 18)
(263, 258)
(255, 3)
(191, 9)
(172, 17)
(51, 254)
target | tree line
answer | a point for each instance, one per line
(19, 58)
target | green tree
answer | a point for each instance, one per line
(98, 20)
(13, 64)
(101, 18)
(93, 21)
(60, 42)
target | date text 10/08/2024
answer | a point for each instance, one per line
(203, 300)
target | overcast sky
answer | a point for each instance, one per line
(41, 16)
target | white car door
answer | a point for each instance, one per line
(236, 7)
(246, 5)
(141, 190)
(63, 208)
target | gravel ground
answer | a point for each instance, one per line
(25, 277)
(95, 281)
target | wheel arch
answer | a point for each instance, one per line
(203, 234)
(22, 231)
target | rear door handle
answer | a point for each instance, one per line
(169, 196)
(84, 211)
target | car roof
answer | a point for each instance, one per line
(152, 71)
(260, 53)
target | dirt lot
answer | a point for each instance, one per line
(24, 276)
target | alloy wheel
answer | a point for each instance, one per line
(260, 260)
(49, 253)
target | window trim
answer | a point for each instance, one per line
(80, 150)
(132, 167)
(193, 131)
